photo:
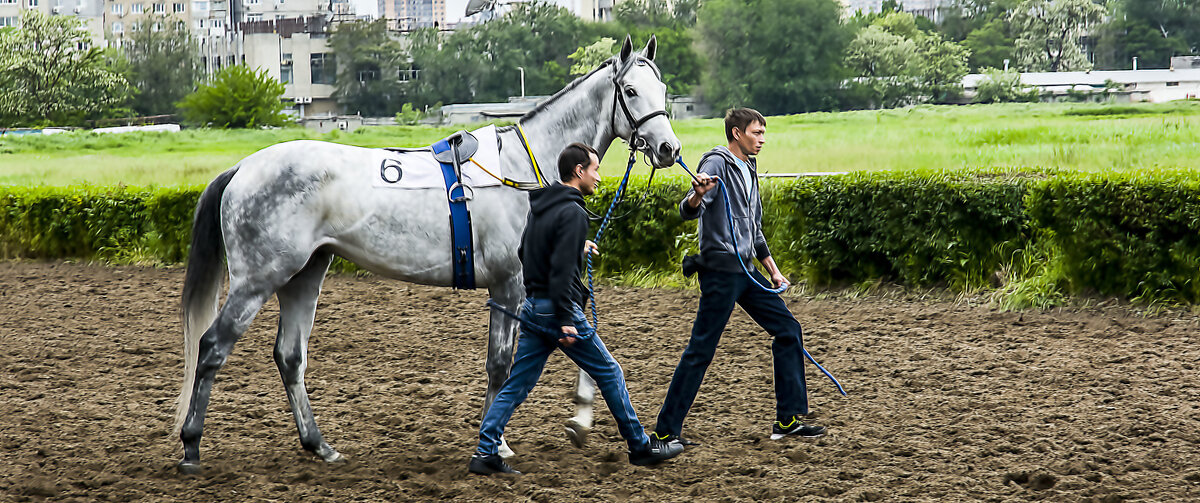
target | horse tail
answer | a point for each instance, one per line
(201, 284)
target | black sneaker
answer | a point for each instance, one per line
(797, 425)
(487, 465)
(674, 438)
(657, 452)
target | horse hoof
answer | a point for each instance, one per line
(187, 468)
(336, 458)
(577, 433)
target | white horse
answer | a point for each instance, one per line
(281, 214)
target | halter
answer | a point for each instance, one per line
(636, 142)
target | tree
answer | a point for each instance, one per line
(679, 62)
(886, 68)
(237, 97)
(779, 56)
(368, 78)
(481, 63)
(49, 74)
(164, 66)
(587, 58)
(1048, 32)
(895, 63)
(989, 45)
(1002, 86)
(1151, 31)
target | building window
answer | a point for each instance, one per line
(135, 26)
(199, 24)
(1172, 84)
(407, 74)
(323, 67)
(257, 16)
(218, 23)
(6, 21)
(33, 3)
(137, 8)
(285, 68)
(251, 2)
(117, 28)
(178, 7)
(118, 9)
(160, 8)
(7, 2)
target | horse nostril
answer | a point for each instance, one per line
(667, 150)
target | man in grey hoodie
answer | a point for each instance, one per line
(728, 276)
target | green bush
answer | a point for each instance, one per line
(237, 97)
(917, 228)
(1037, 235)
(1132, 235)
(118, 223)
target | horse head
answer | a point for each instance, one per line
(639, 112)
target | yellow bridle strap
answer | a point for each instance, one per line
(536, 171)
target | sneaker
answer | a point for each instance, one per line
(657, 452)
(674, 438)
(797, 425)
(487, 465)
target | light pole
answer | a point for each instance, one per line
(1135, 63)
(522, 81)
(1006, 64)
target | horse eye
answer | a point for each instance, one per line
(631, 92)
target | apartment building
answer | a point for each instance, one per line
(295, 51)
(405, 15)
(88, 11)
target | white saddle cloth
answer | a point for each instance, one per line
(419, 170)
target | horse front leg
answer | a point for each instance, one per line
(579, 426)
(502, 338)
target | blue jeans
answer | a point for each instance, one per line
(719, 291)
(533, 349)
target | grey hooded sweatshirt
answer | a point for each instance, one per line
(716, 239)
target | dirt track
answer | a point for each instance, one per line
(948, 402)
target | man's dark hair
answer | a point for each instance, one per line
(575, 154)
(741, 118)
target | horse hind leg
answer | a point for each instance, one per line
(241, 306)
(297, 309)
(578, 427)
(502, 338)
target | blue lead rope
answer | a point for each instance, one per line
(600, 232)
(780, 289)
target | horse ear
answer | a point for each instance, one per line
(651, 48)
(627, 48)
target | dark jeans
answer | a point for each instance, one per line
(718, 292)
(533, 349)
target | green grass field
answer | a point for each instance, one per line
(1067, 136)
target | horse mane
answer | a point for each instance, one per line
(613, 62)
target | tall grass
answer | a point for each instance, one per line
(1065, 136)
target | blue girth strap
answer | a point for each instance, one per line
(460, 225)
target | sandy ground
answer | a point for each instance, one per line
(948, 401)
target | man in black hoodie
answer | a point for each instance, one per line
(551, 250)
(728, 277)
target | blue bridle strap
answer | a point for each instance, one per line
(780, 289)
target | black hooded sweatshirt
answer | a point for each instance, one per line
(552, 248)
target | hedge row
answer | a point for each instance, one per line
(1133, 235)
